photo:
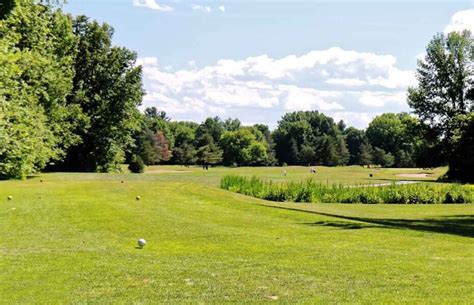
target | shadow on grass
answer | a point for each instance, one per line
(342, 225)
(461, 225)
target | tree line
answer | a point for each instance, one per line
(301, 138)
(69, 101)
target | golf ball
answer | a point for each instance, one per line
(141, 242)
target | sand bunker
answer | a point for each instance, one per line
(420, 175)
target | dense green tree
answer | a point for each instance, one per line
(343, 153)
(37, 48)
(108, 89)
(184, 154)
(382, 158)
(445, 91)
(365, 156)
(258, 154)
(462, 141)
(307, 155)
(268, 139)
(208, 153)
(241, 147)
(236, 146)
(398, 134)
(445, 86)
(327, 151)
(355, 138)
(136, 165)
(231, 124)
(341, 125)
(309, 129)
(211, 126)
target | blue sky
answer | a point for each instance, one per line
(256, 60)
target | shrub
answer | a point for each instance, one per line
(136, 165)
(310, 191)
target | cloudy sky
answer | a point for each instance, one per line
(256, 60)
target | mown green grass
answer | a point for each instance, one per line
(72, 239)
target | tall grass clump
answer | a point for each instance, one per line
(310, 191)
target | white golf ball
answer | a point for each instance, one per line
(141, 242)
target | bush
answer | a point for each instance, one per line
(310, 191)
(136, 165)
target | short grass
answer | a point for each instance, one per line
(72, 239)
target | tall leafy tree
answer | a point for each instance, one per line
(108, 89)
(365, 156)
(211, 126)
(209, 152)
(37, 54)
(184, 152)
(355, 138)
(309, 129)
(269, 142)
(445, 93)
(397, 134)
(241, 147)
(231, 124)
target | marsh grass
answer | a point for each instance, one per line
(311, 191)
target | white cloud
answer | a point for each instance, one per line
(343, 84)
(152, 4)
(221, 8)
(202, 8)
(349, 82)
(381, 99)
(462, 20)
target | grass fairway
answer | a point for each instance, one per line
(72, 239)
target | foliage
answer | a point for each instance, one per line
(242, 148)
(136, 165)
(209, 153)
(36, 76)
(184, 154)
(462, 141)
(445, 87)
(397, 134)
(108, 89)
(69, 98)
(213, 127)
(5, 7)
(310, 191)
(365, 155)
(315, 134)
(445, 91)
(162, 147)
(355, 138)
(382, 158)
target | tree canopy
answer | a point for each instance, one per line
(444, 97)
(69, 100)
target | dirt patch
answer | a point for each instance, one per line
(419, 175)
